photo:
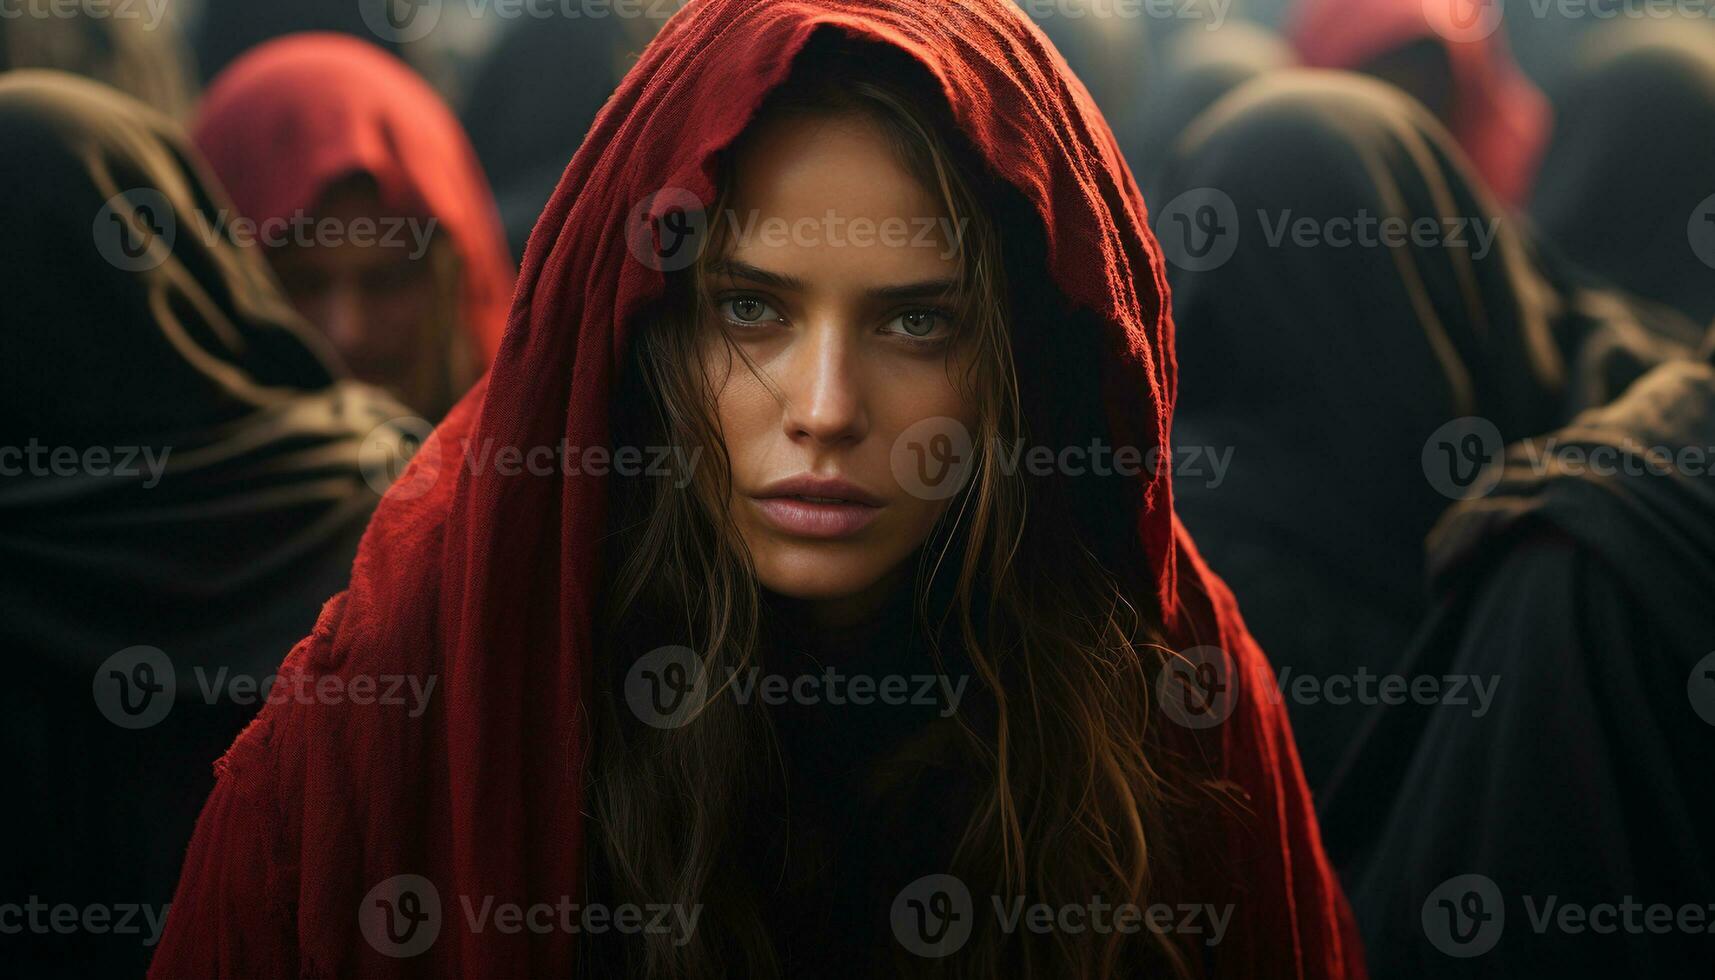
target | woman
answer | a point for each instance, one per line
(1452, 56)
(1329, 347)
(377, 215)
(181, 488)
(1625, 189)
(575, 758)
(1582, 582)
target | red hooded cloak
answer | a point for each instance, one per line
(299, 114)
(486, 583)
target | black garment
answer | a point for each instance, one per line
(1625, 187)
(865, 799)
(1590, 596)
(1325, 368)
(181, 472)
(532, 101)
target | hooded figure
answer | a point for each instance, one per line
(138, 49)
(524, 143)
(377, 842)
(1358, 294)
(1201, 66)
(180, 491)
(1625, 189)
(1449, 54)
(297, 120)
(1554, 820)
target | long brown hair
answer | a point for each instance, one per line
(1074, 793)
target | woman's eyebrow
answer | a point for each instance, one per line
(927, 289)
(744, 270)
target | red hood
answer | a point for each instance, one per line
(1498, 115)
(347, 107)
(488, 581)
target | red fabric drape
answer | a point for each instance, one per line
(486, 581)
(1499, 116)
(300, 113)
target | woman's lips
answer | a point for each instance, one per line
(816, 518)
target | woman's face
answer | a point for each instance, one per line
(841, 313)
(377, 303)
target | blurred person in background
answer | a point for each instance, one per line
(226, 29)
(1450, 55)
(126, 47)
(1567, 831)
(413, 283)
(533, 98)
(1627, 190)
(181, 489)
(1324, 365)
(1198, 68)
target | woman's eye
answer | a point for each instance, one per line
(920, 324)
(747, 310)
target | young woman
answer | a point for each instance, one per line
(853, 270)
(374, 210)
(181, 489)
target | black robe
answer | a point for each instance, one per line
(1588, 600)
(182, 487)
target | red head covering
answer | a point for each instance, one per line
(1498, 115)
(298, 114)
(489, 582)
